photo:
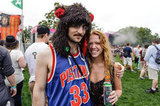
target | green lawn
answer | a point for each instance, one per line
(133, 91)
(26, 97)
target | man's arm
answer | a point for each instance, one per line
(148, 53)
(12, 81)
(41, 79)
(132, 54)
(8, 71)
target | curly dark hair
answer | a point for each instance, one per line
(75, 15)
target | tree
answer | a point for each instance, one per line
(95, 27)
(26, 34)
(144, 35)
(140, 35)
(51, 20)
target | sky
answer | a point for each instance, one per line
(110, 15)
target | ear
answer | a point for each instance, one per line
(46, 35)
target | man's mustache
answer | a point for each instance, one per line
(78, 34)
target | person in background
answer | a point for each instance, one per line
(32, 52)
(2, 42)
(6, 70)
(101, 67)
(144, 67)
(137, 56)
(128, 57)
(153, 67)
(18, 62)
(121, 55)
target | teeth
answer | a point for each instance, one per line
(94, 51)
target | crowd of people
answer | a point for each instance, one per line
(145, 58)
(73, 68)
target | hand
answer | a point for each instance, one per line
(119, 69)
(113, 97)
(13, 92)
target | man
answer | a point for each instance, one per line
(6, 70)
(153, 67)
(65, 85)
(128, 55)
(62, 69)
(33, 50)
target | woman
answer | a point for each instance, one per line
(101, 66)
(18, 62)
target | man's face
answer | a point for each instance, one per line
(76, 33)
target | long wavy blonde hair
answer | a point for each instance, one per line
(107, 54)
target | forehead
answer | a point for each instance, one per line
(94, 37)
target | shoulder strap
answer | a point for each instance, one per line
(77, 66)
(156, 47)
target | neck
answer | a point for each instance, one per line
(73, 47)
(98, 59)
(40, 40)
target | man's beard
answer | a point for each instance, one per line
(72, 41)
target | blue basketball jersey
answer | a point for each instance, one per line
(65, 85)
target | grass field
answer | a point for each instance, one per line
(133, 91)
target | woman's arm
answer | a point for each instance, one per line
(114, 95)
(22, 62)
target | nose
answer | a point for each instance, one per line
(81, 30)
(92, 45)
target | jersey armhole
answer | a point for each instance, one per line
(53, 64)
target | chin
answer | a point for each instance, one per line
(94, 56)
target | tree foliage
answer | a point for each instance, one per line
(51, 20)
(143, 35)
(26, 34)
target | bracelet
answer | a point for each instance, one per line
(13, 87)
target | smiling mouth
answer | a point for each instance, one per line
(93, 52)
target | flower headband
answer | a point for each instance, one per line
(60, 12)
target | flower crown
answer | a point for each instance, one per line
(60, 12)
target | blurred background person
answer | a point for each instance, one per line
(32, 52)
(144, 67)
(128, 57)
(137, 56)
(2, 42)
(18, 62)
(153, 67)
(6, 70)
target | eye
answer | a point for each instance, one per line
(89, 44)
(85, 27)
(98, 43)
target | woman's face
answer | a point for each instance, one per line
(95, 48)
